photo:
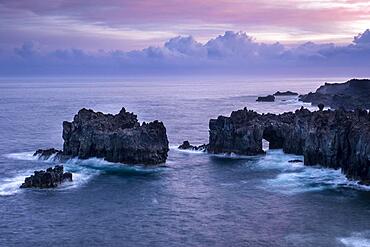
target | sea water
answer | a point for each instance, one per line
(194, 199)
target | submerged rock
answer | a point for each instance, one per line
(350, 95)
(50, 178)
(335, 139)
(268, 98)
(286, 93)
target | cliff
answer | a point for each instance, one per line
(350, 95)
(335, 139)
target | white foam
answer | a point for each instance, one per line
(297, 178)
(97, 164)
(10, 186)
(22, 156)
(176, 148)
(360, 239)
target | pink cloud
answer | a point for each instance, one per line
(135, 24)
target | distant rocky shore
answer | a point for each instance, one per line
(271, 98)
(350, 95)
(335, 139)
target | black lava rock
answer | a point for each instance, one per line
(187, 146)
(116, 138)
(50, 178)
(335, 139)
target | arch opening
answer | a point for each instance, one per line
(274, 138)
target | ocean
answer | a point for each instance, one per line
(195, 199)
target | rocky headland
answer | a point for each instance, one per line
(116, 138)
(50, 178)
(331, 138)
(350, 95)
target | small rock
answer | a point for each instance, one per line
(50, 178)
(286, 93)
(295, 161)
(268, 98)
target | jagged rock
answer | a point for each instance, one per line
(47, 153)
(50, 178)
(116, 138)
(336, 139)
(350, 95)
(187, 146)
(268, 98)
(286, 93)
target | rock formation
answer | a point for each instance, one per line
(335, 139)
(47, 153)
(116, 138)
(286, 93)
(187, 146)
(268, 98)
(350, 95)
(50, 178)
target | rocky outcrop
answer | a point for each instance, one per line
(286, 93)
(50, 178)
(268, 98)
(187, 146)
(350, 95)
(48, 153)
(116, 138)
(335, 139)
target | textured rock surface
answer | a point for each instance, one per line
(116, 138)
(336, 139)
(50, 178)
(350, 95)
(268, 98)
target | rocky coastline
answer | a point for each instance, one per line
(336, 139)
(350, 95)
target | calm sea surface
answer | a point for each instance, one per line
(195, 200)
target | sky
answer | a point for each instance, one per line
(183, 36)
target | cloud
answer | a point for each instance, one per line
(128, 24)
(230, 53)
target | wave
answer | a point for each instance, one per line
(10, 186)
(296, 178)
(22, 156)
(103, 166)
(82, 171)
(176, 148)
(358, 239)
